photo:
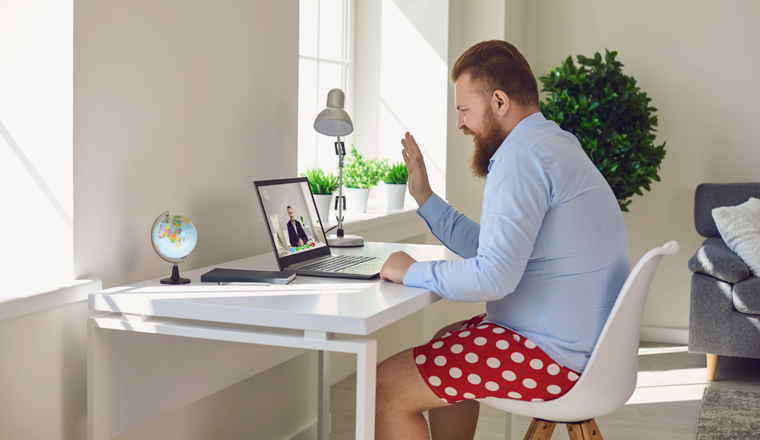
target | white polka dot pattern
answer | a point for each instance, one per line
(554, 389)
(486, 361)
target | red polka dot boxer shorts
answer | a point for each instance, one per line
(486, 360)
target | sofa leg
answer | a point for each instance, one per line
(712, 366)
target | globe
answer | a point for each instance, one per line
(173, 238)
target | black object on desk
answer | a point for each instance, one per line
(220, 275)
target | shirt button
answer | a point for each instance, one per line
(427, 216)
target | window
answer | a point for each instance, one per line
(325, 62)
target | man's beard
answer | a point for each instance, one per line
(486, 143)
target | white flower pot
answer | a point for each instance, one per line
(324, 202)
(356, 199)
(395, 194)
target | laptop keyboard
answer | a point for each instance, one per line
(336, 263)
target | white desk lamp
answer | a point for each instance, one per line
(334, 121)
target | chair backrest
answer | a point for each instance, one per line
(610, 375)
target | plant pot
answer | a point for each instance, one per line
(395, 194)
(356, 199)
(323, 202)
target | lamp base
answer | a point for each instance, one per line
(344, 241)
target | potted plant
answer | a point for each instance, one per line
(611, 118)
(395, 184)
(322, 187)
(359, 176)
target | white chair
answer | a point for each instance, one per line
(610, 376)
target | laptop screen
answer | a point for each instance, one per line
(290, 214)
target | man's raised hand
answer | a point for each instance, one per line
(419, 183)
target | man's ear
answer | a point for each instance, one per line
(500, 103)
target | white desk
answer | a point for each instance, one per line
(307, 315)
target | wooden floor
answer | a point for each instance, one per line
(665, 405)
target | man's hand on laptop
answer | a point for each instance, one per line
(396, 266)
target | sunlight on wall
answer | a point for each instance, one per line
(36, 156)
(413, 86)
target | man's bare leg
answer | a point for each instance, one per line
(458, 421)
(402, 396)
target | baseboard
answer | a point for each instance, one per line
(305, 432)
(665, 335)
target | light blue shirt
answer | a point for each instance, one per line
(550, 254)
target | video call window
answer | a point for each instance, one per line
(293, 219)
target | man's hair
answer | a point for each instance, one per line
(288, 208)
(497, 65)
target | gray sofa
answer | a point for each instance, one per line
(724, 319)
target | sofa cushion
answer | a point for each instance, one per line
(712, 195)
(739, 226)
(714, 258)
(746, 296)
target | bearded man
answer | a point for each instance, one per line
(548, 258)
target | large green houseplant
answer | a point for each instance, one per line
(611, 118)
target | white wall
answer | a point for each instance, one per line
(179, 106)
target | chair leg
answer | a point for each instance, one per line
(712, 366)
(540, 430)
(584, 431)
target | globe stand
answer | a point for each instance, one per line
(175, 279)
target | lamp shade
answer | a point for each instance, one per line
(334, 121)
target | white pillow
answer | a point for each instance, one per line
(739, 226)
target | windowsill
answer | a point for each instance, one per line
(22, 300)
(377, 215)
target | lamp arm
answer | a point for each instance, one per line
(341, 152)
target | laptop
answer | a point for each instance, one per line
(298, 238)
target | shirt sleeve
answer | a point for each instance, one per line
(518, 192)
(455, 230)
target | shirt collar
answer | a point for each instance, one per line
(524, 126)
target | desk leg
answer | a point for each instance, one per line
(366, 374)
(97, 382)
(323, 396)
